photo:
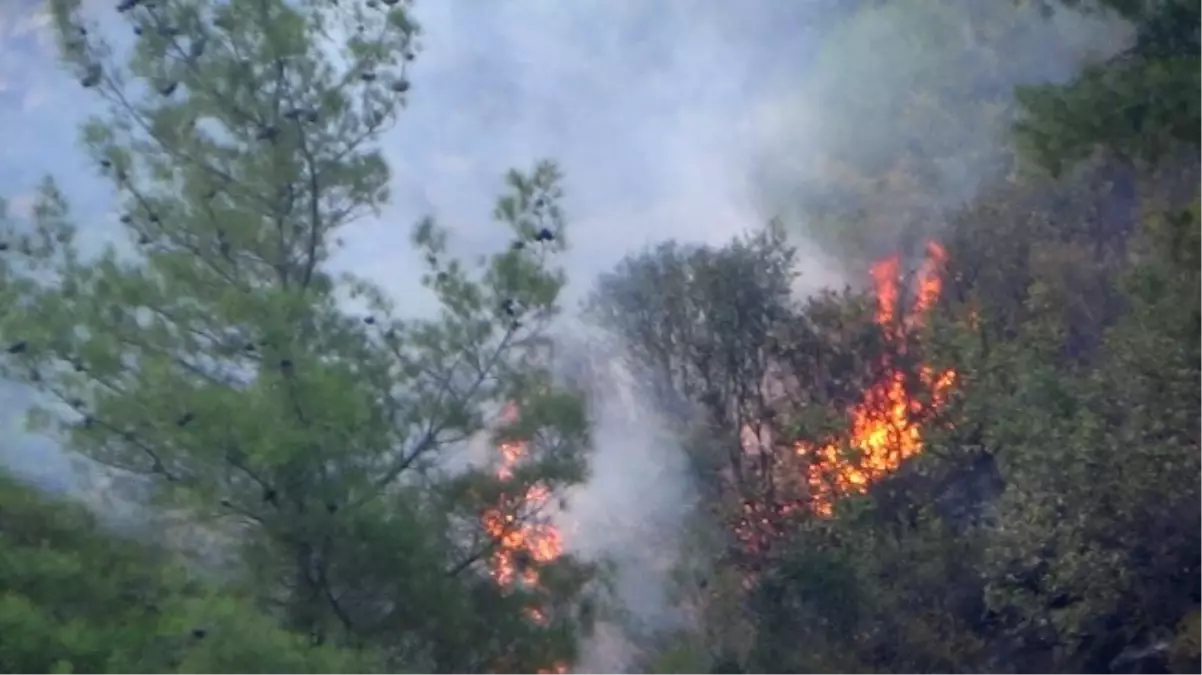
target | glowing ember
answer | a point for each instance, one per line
(885, 427)
(525, 538)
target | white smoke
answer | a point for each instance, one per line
(631, 511)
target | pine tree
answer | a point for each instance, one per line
(212, 355)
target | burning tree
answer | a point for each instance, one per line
(787, 405)
(525, 540)
(885, 426)
(720, 334)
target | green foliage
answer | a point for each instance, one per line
(1142, 103)
(74, 598)
(1115, 446)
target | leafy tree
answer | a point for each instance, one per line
(698, 321)
(717, 330)
(1142, 103)
(74, 598)
(213, 357)
(1115, 442)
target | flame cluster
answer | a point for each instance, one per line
(885, 426)
(525, 538)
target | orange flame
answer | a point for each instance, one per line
(521, 540)
(885, 425)
(525, 538)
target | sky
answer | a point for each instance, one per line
(650, 108)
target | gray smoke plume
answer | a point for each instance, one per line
(630, 512)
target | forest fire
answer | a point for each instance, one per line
(885, 426)
(525, 538)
